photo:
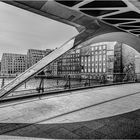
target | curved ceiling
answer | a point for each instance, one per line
(122, 14)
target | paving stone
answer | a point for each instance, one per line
(118, 131)
(93, 124)
(126, 128)
(43, 135)
(95, 135)
(113, 132)
(72, 126)
(48, 128)
(63, 134)
(137, 122)
(121, 121)
(133, 135)
(35, 133)
(27, 131)
(125, 120)
(137, 112)
(7, 127)
(131, 116)
(114, 118)
(82, 131)
(103, 121)
(12, 133)
(21, 125)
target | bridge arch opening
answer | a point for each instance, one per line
(113, 58)
(100, 58)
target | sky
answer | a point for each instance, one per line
(21, 30)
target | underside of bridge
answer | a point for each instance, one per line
(99, 20)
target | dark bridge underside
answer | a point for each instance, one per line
(92, 17)
(122, 14)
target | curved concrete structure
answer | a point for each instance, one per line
(122, 14)
(122, 37)
(91, 26)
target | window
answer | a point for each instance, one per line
(104, 51)
(100, 52)
(96, 70)
(82, 59)
(88, 69)
(100, 57)
(104, 47)
(110, 52)
(100, 47)
(78, 51)
(104, 69)
(104, 57)
(92, 58)
(96, 58)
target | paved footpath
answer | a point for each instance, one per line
(105, 112)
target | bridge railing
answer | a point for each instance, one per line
(35, 69)
(69, 82)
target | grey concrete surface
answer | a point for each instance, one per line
(107, 112)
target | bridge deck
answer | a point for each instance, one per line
(73, 115)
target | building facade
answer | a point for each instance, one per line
(0, 68)
(13, 63)
(101, 59)
(33, 56)
(51, 70)
(92, 60)
(69, 64)
(137, 66)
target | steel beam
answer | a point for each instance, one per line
(36, 68)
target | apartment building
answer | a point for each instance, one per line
(13, 63)
(33, 56)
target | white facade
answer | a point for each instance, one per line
(13, 63)
(33, 56)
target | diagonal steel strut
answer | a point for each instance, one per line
(14, 84)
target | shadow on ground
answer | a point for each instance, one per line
(121, 126)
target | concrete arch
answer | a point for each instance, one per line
(122, 37)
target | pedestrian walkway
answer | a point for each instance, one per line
(105, 112)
